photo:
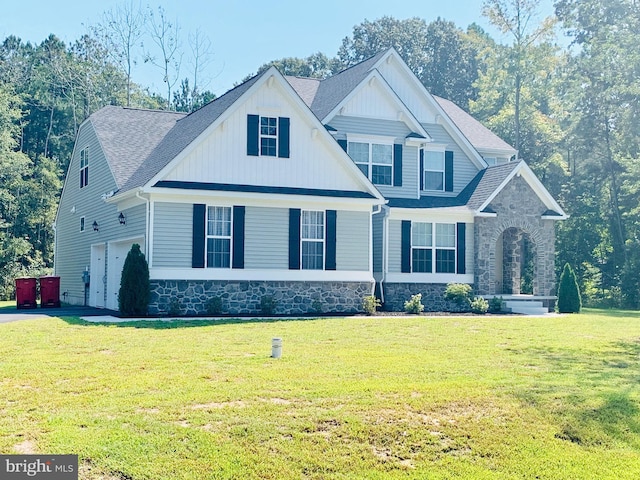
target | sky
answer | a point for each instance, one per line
(244, 34)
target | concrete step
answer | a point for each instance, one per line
(525, 310)
(526, 303)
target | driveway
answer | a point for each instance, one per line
(12, 314)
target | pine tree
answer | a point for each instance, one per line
(135, 290)
(569, 300)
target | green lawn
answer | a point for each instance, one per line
(374, 398)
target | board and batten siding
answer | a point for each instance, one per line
(266, 239)
(172, 232)
(352, 240)
(389, 128)
(73, 247)
(463, 168)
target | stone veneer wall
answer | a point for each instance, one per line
(243, 297)
(517, 206)
(395, 294)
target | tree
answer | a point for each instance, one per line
(135, 290)
(165, 35)
(317, 65)
(121, 29)
(569, 300)
(515, 17)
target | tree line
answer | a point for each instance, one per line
(572, 112)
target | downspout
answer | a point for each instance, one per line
(147, 224)
(55, 247)
(385, 251)
(376, 210)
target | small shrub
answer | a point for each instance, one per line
(460, 293)
(569, 300)
(479, 305)
(495, 304)
(370, 304)
(316, 306)
(415, 304)
(268, 305)
(135, 289)
(213, 306)
(175, 309)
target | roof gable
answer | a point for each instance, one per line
(217, 152)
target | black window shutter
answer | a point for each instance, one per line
(405, 240)
(461, 247)
(253, 135)
(238, 237)
(199, 220)
(294, 239)
(397, 165)
(448, 171)
(283, 137)
(343, 143)
(330, 241)
(421, 172)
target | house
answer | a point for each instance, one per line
(313, 192)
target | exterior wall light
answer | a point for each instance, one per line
(95, 226)
(122, 219)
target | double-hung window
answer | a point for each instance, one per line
(433, 170)
(269, 136)
(312, 238)
(84, 167)
(218, 237)
(445, 248)
(375, 160)
(422, 247)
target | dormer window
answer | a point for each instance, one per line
(376, 159)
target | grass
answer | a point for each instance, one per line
(376, 398)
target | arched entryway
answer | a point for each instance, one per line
(516, 262)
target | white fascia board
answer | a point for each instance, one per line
(449, 125)
(246, 274)
(429, 278)
(536, 185)
(408, 118)
(449, 214)
(173, 195)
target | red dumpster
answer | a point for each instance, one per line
(49, 292)
(26, 292)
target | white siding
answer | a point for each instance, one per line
(172, 234)
(463, 169)
(315, 160)
(266, 239)
(73, 248)
(389, 128)
(352, 240)
(372, 101)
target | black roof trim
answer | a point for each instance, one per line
(226, 187)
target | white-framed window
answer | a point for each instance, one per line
(269, 136)
(218, 237)
(375, 160)
(433, 170)
(84, 167)
(312, 239)
(445, 248)
(422, 247)
(82, 224)
(433, 244)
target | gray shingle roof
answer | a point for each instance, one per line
(185, 131)
(331, 91)
(473, 196)
(479, 135)
(305, 87)
(129, 135)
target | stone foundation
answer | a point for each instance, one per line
(190, 297)
(395, 294)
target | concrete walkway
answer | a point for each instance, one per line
(14, 314)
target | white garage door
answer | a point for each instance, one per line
(117, 254)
